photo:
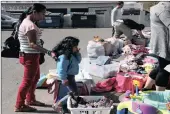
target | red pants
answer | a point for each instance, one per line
(30, 79)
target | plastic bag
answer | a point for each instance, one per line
(104, 71)
(95, 49)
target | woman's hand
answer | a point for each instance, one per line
(65, 82)
(53, 55)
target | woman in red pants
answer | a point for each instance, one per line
(30, 48)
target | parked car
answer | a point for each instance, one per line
(7, 21)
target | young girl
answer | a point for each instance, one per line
(68, 59)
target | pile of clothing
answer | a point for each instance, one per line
(79, 102)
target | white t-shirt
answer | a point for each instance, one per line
(115, 14)
(28, 25)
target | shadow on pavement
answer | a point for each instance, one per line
(45, 111)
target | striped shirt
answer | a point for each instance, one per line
(28, 25)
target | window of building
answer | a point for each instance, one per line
(79, 10)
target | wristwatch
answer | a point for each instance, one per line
(49, 53)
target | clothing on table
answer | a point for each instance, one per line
(67, 67)
(160, 30)
(30, 79)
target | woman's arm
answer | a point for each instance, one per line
(32, 42)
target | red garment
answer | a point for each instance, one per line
(124, 83)
(30, 79)
(104, 86)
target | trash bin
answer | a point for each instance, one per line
(83, 19)
(52, 20)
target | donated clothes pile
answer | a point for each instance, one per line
(117, 75)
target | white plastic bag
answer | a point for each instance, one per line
(104, 71)
(117, 45)
(95, 49)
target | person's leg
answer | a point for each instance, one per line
(29, 73)
(162, 77)
(113, 31)
(126, 31)
(72, 84)
(31, 92)
(117, 31)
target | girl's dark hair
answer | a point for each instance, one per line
(66, 46)
(35, 7)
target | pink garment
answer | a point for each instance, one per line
(124, 81)
(149, 60)
(104, 86)
(136, 49)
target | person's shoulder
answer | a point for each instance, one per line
(27, 22)
(115, 9)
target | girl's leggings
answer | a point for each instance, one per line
(72, 86)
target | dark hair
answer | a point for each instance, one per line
(141, 26)
(35, 7)
(120, 3)
(66, 46)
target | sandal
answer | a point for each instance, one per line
(25, 108)
(35, 103)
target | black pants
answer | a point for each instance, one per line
(72, 86)
(160, 75)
